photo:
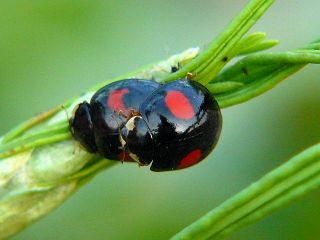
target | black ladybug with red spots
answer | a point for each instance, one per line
(170, 126)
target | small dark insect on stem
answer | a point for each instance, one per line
(66, 112)
(245, 71)
(175, 68)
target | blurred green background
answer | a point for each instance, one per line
(53, 50)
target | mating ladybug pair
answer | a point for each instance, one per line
(172, 126)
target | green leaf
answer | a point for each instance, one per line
(254, 43)
(221, 87)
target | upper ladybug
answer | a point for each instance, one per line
(174, 125)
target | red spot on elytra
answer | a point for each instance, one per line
(190, 159)
(124, 157)
(179, 105)
(115, 99)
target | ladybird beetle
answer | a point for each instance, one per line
(170, 126)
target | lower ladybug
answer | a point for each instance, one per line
(170, 126)
(97, 125)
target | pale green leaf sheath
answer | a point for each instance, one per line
(41, 165)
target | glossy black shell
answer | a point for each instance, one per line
(176, 138)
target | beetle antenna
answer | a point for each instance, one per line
(66, 111)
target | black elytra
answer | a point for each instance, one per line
(170, 126)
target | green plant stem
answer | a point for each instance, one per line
(219, 48)
(260, 72)
(285, 184)
(238, 28)
(292, 194)
(297, 57)
(29, 137)
(29, 124)
(256, 88)
(221, 87)
(35, 143)
(88, 172)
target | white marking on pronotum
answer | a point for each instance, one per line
(122, 141)
(130, 124)
(134, 157)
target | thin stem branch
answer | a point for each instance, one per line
(296, 177)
